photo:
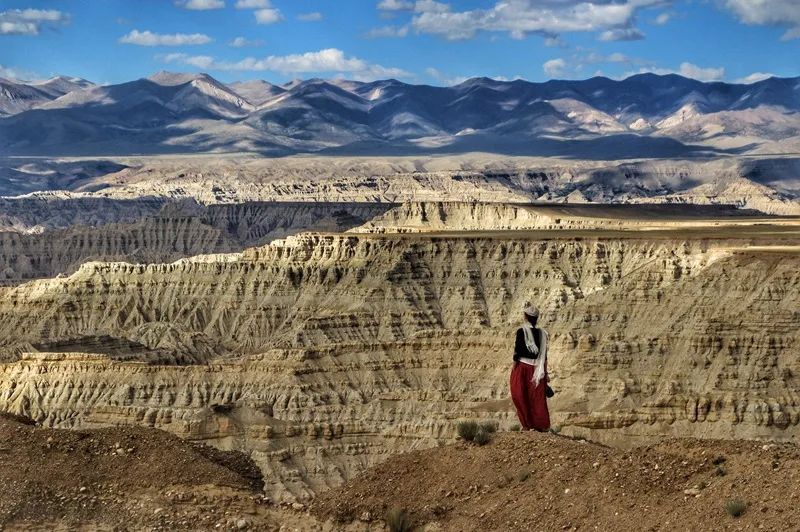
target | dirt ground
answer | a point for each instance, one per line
(532, 481)
(134, 478)
(129, 478)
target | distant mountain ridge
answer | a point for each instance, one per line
(16, 97)
(643, 115)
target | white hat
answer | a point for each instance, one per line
(531, 310)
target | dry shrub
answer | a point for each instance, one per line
(467, 430)
(735, 507)
(398, 520)
(482, 437)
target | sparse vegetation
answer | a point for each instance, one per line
(490, 427)
(555, 429)
(480, 434)
(482, 437)
(515, 427)
(735, 507)
(523, 475)
(720, 471)
(398, 520)
(719, 460)
(467, 430)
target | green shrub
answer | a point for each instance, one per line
(467, 430)
(398, 520)
(719, 460)
(720, 471)
(490, 427)
(735, 507)
(515, 427)
(482, 437)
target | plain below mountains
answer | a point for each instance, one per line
(646, 115)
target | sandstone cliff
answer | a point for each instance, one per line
(325, 353)
(50, 237)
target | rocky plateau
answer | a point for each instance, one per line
(322, 317)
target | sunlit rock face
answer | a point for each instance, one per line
(323, 354)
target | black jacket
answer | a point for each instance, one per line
(521, 349)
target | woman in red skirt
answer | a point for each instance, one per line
(529, 389)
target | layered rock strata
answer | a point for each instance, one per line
(322, 354)
(37, 246)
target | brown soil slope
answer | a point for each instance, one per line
(125, 478)
(530, 481)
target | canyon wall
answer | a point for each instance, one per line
(323, 354)
(46, 237)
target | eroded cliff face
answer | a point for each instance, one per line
(328, 352)
(769, 185)
(48, 237)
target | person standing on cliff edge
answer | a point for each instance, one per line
(529, 388)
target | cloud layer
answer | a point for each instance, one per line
(30, 21)
(329, 60)
(784, 13)
(148, 38)
(519, 18)
(201, 5)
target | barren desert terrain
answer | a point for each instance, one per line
(321, 341)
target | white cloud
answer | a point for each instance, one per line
(555, 68)
(622, 34)
(444, 79)
(252, 4)
(687, 70)
(387, 31)
(201, 5)
(663, 18)
(448, 80)
(555, 42)
(314, 16)
(200, 61)
(30, 21)
(242, 42)
(327, 60)
(268, 16)
(578, 64)
(791, 34)
(519, 18)
(430, 6)
(755, 77)
(785, 13)
(701, 74)
(395, 5)
(16, 74)
(148, 38)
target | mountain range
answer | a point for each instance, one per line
(646, 115)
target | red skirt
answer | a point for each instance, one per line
(529, 399)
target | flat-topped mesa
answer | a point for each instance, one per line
(186, 229)
(433, 216)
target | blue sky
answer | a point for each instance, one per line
(419, 41)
